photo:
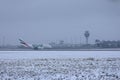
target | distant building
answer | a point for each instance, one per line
(107, 44)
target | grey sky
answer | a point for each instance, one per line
(42, 21)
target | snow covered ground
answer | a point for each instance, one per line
(59, 65)
(57, 54)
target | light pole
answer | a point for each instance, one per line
(3, 43)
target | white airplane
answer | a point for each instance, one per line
(34, 46)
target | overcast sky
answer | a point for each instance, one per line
(43, 21)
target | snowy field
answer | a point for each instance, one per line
(57, 54)
(59, 65)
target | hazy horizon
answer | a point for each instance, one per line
(43, 21)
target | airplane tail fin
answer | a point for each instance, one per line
(23, 43)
